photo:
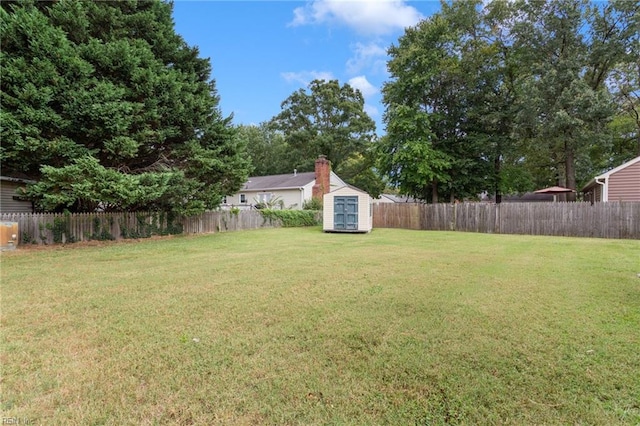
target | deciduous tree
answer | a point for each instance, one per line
(328, 120)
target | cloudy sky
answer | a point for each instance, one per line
(263, 51)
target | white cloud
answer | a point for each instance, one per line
(361, 83)
(371, 110)
(364, 16)
(306, 77)
(368, 56)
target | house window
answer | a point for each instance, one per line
(264, 197)
(243, 198)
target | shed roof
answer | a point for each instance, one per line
(346, 185)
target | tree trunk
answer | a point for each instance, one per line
(434, 192)
(496, 168)
(570, 172)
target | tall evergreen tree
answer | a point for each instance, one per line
(107, 107)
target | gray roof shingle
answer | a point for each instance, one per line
(289, 180)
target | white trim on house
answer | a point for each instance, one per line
(603, 180)
(292, 197)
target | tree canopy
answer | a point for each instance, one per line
(506, 96)
(107, 107)
(329, 120)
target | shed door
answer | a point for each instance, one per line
(345, 213)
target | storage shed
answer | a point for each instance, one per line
(347, 209)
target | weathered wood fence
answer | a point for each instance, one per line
(50, 228)
(600, 220)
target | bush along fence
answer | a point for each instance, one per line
(65, 228)
(600, 220)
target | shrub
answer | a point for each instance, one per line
(312, 204)
(292, 218)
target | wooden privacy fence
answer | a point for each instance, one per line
(50, 228)
(220, 221)
(601, 220)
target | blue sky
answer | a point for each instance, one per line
(263, 51)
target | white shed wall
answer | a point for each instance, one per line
(365, 218)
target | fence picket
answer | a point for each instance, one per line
(48, 228)
(601, 220)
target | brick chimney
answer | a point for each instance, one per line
(323, 182)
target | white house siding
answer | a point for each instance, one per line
(292, 198)
(365, 218)
(624, 185)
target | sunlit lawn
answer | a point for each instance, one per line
(294, 326)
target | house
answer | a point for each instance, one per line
(527, 197)
(393, 198)
(347, 209)
(10, 201)
(290, 190)
(619, 184)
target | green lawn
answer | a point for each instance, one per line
(294, 326)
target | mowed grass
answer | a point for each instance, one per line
(294, 326)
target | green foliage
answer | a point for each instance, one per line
(509, 96)
(109, 107)
(150, 224)
(407, 154)
(59, 229)
(272, 203)
(269, 152)
(329, 120)
(101, 230)
(358, 170)
(27, 238)
(312, 204)
(292, 218)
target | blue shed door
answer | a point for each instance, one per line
(345, 213)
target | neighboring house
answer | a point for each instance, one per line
(347, 209)
(290, 190)
(619, 184)
(393, 198)
(527, 197)
(10, 201)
